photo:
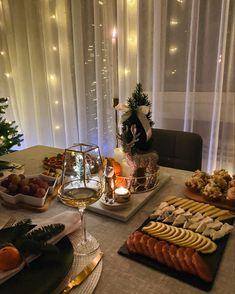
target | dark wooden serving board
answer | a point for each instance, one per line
(199, 198)
(212, 260)
(44, 274)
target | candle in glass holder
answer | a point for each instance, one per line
(121, 194)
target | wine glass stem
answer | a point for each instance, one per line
(83, 224)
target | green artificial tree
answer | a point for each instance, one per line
(138, 98)
(9, 135)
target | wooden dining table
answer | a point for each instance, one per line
(121, 274)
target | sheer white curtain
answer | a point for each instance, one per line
(186, 62)
(57, 65)
(36, 72)
(56, 68)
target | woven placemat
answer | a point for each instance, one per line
(88, 286)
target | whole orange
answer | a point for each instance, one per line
(120, 182)
(117, 168)
(9, 258)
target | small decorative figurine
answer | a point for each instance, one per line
(109, 175)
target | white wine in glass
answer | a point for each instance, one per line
(82, 180)
(78, 196)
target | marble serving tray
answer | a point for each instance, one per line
(137, 201)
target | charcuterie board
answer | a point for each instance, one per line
(217, 189)
(210, 258)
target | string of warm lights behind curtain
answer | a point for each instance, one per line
(58, 66)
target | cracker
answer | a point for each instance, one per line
(212, 211)
(172, 199)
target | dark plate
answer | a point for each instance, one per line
(212, 260)
(44, 274)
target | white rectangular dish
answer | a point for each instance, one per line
(32, 200)
(28, 199)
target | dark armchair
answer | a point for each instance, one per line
(178, 149)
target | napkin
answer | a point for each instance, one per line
(71, 221)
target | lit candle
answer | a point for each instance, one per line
(114, 61)
(121, 194)
(121, 191)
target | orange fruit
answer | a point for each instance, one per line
(115, 164)
(116, 168)
(9, 258)
(120, 182)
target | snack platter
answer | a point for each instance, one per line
(200, 198)
(184, 239)
(217, 189)
(54, 162)
(23, 200)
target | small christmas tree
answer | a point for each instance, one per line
(9, 136)
(136, 140)
(136, 104)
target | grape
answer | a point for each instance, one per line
(25, 189)
(5, 183)
(44, 185)
(11, 176)
(22, 176)
(40, 193)
(28, 186)
(13, 188)
(24, 182)
(36, 181)
(15, 179)
(33, 188)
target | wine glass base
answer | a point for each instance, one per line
(86, 248)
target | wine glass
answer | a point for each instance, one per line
(82, 184)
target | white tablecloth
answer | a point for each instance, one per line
(119, 274)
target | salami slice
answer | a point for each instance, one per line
(166, 255)
(172, 252)
(180, 257)
(188, 253)
(151, 242)
(201, 267)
